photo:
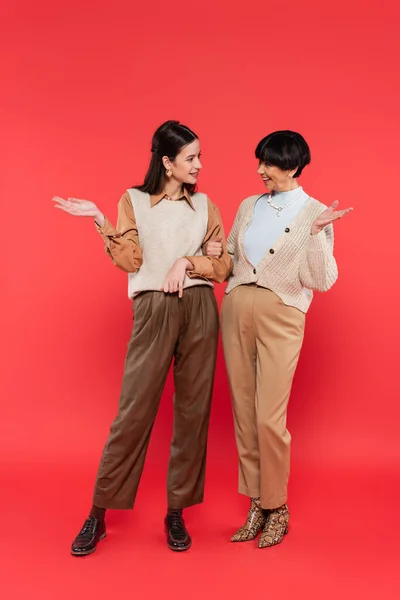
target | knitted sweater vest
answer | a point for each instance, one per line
(167, 231)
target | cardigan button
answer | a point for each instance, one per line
(287, 230)
(272, 251)
(254, 271)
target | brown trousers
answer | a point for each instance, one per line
(165, 327)
(262, 339)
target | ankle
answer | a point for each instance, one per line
(255, 502)
(98, 513)
(174, 510)
(282, 507)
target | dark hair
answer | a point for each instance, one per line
(168, 140)
(284, 149)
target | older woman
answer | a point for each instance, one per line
(282, 247)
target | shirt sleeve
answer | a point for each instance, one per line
(216, 269)
(122, 243)
(318, 269)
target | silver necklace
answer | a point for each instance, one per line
(279, 209)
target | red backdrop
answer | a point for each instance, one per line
(84, 87)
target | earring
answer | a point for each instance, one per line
(168, 172)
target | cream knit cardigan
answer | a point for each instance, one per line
(297, 263)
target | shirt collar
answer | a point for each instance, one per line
(156, 198)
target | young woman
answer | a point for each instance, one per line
(161, 230)
(282, 248)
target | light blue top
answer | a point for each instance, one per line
(266, 226)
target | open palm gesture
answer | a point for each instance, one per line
(328, 216)
(79, 208)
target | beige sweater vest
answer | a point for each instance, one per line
(297, 263)
(167, 231)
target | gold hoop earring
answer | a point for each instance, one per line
(168, 172)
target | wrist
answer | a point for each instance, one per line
(99, 219)
(187, 263)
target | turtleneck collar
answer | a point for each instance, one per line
(282, 198)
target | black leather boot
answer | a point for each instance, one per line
(178, 538)
(87, 539)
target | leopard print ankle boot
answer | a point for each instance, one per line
(254, 523)
(276, 527)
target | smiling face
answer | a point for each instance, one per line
(282, 156)
(186, 165)
(276, 179)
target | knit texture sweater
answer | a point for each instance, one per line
(167, 231)
(294, 266)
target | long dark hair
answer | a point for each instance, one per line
(168, 140)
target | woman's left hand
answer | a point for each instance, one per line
(214, 248)
(175, 277)
(327, 217)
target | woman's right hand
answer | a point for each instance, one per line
(214, 248)
(80, 208)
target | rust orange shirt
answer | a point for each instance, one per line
(122, 243)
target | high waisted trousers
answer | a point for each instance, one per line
(262, 338)
(165, 327)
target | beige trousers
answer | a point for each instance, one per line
(262, 338)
